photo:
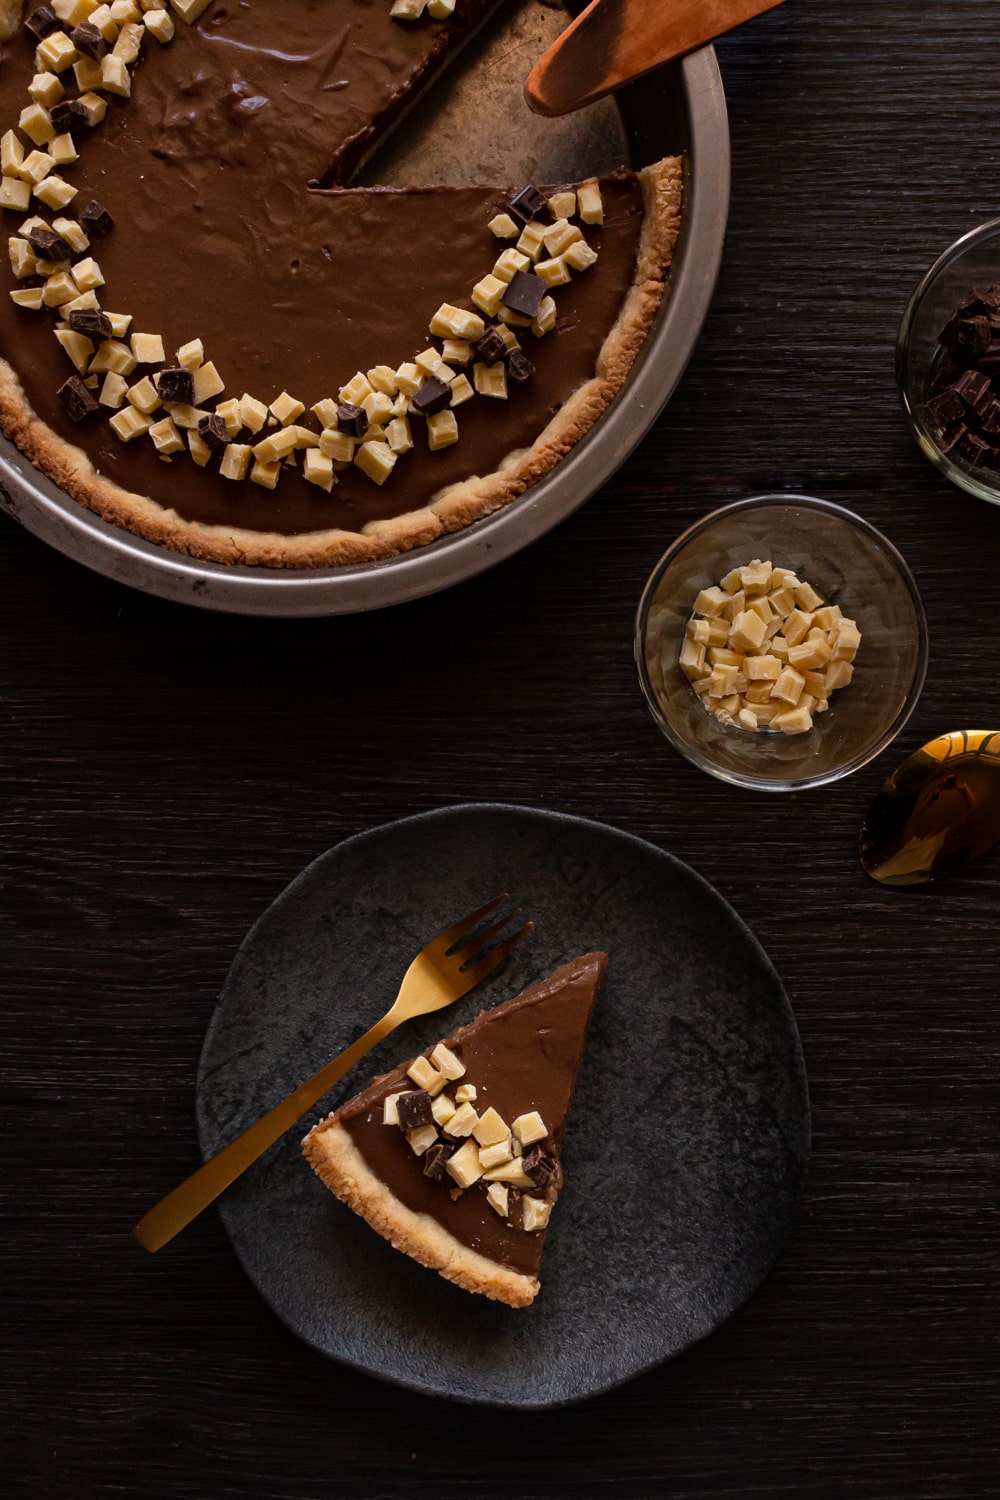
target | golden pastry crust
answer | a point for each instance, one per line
(454, 508)
(335, 1159)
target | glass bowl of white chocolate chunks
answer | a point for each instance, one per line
(781, 643)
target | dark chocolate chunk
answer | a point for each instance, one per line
(989, 360)
(213, 433)
(524, 293)
(951, 436)
(973, 388)
(48, 245)
(944, 372)
(489, 348)
(175, 384)
(526, 204)
(973, 449)
(436, 1159)
(353, 420)
(539, 1165)
(433, 396)
(88, 41)
(972, 334)
(414, 1109)
(91, 322)
(989, 417)
(68, 115)
(948, 337)
(96, 219)
(42, 22)
(78, 402)
(519, 366)
(988, 296)
(943, 409)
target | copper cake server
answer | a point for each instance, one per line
(614, 41)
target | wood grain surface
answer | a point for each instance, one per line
(165, 773)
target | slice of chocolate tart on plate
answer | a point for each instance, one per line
(237, 356)
(454, 1156)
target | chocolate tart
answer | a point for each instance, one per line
(409, 1177)
(223, 175)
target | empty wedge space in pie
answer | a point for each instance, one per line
(208, 338)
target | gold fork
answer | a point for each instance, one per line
(449, 966)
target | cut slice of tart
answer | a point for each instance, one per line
(454, 1156)
(192, 294)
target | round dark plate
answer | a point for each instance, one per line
(687, 1143)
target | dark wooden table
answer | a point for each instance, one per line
(165, 773)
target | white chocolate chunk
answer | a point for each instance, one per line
(191, 355)
(748, 631)
(497, 1196)
(545, 318)
(580, 256)
(461, 390)
(55, 192)
(692, 659)
(464, 1166)
(186, 416)
(442, 430)
(588, 197)
(236, 461)
(487, 293)
(559, 236)
(229, 411)
(390, 1108)
(46, 89)
(287, 409)
(562, 205)
(534, 1213)
(15, 194)
(376, 460)
(166, 437)
(79, 348)
(198, 447)
(55, 54)
(37, 166)
(789, 687)
(449, 1062)
(130, 423)
(22, 257)
(422, 1138)
(88, 275)
(190, 10)
(115, 76)
(509, 1171)
(95, 106)
(463, 1122)
(144, 395)
(275, 448)
(29, 298)
(424, 1074)
(491, 380)
(456, 323)
(530, 1128)
(317, 469)
(356, 389)
(74, 12)
(553, 272)
(62, 151)
(509, 263)
(504, 227)
(148, 348)
(265, 474)
(490, 1128)
(496, 1155)
(160, 24)
(530, 242)
(253, 413)
(465, 1093)
(440, 9)
(443, 1108)
(59, 289)
(208, 383)
(337, 445)
(88, 74)
(398, 435)
(113, 391)
(378, 407)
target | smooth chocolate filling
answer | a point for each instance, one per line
(220, 237)
(522, 1055)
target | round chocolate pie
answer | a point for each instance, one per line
(208, 338)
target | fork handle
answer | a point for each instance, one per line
(176, 1211)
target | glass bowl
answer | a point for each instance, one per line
(851, 564)
(973, 261)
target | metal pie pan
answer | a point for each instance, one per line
(679, 110)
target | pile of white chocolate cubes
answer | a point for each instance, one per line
(763, 651)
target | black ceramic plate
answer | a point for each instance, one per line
(687, 1143)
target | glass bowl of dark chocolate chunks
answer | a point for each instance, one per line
(948, 362)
